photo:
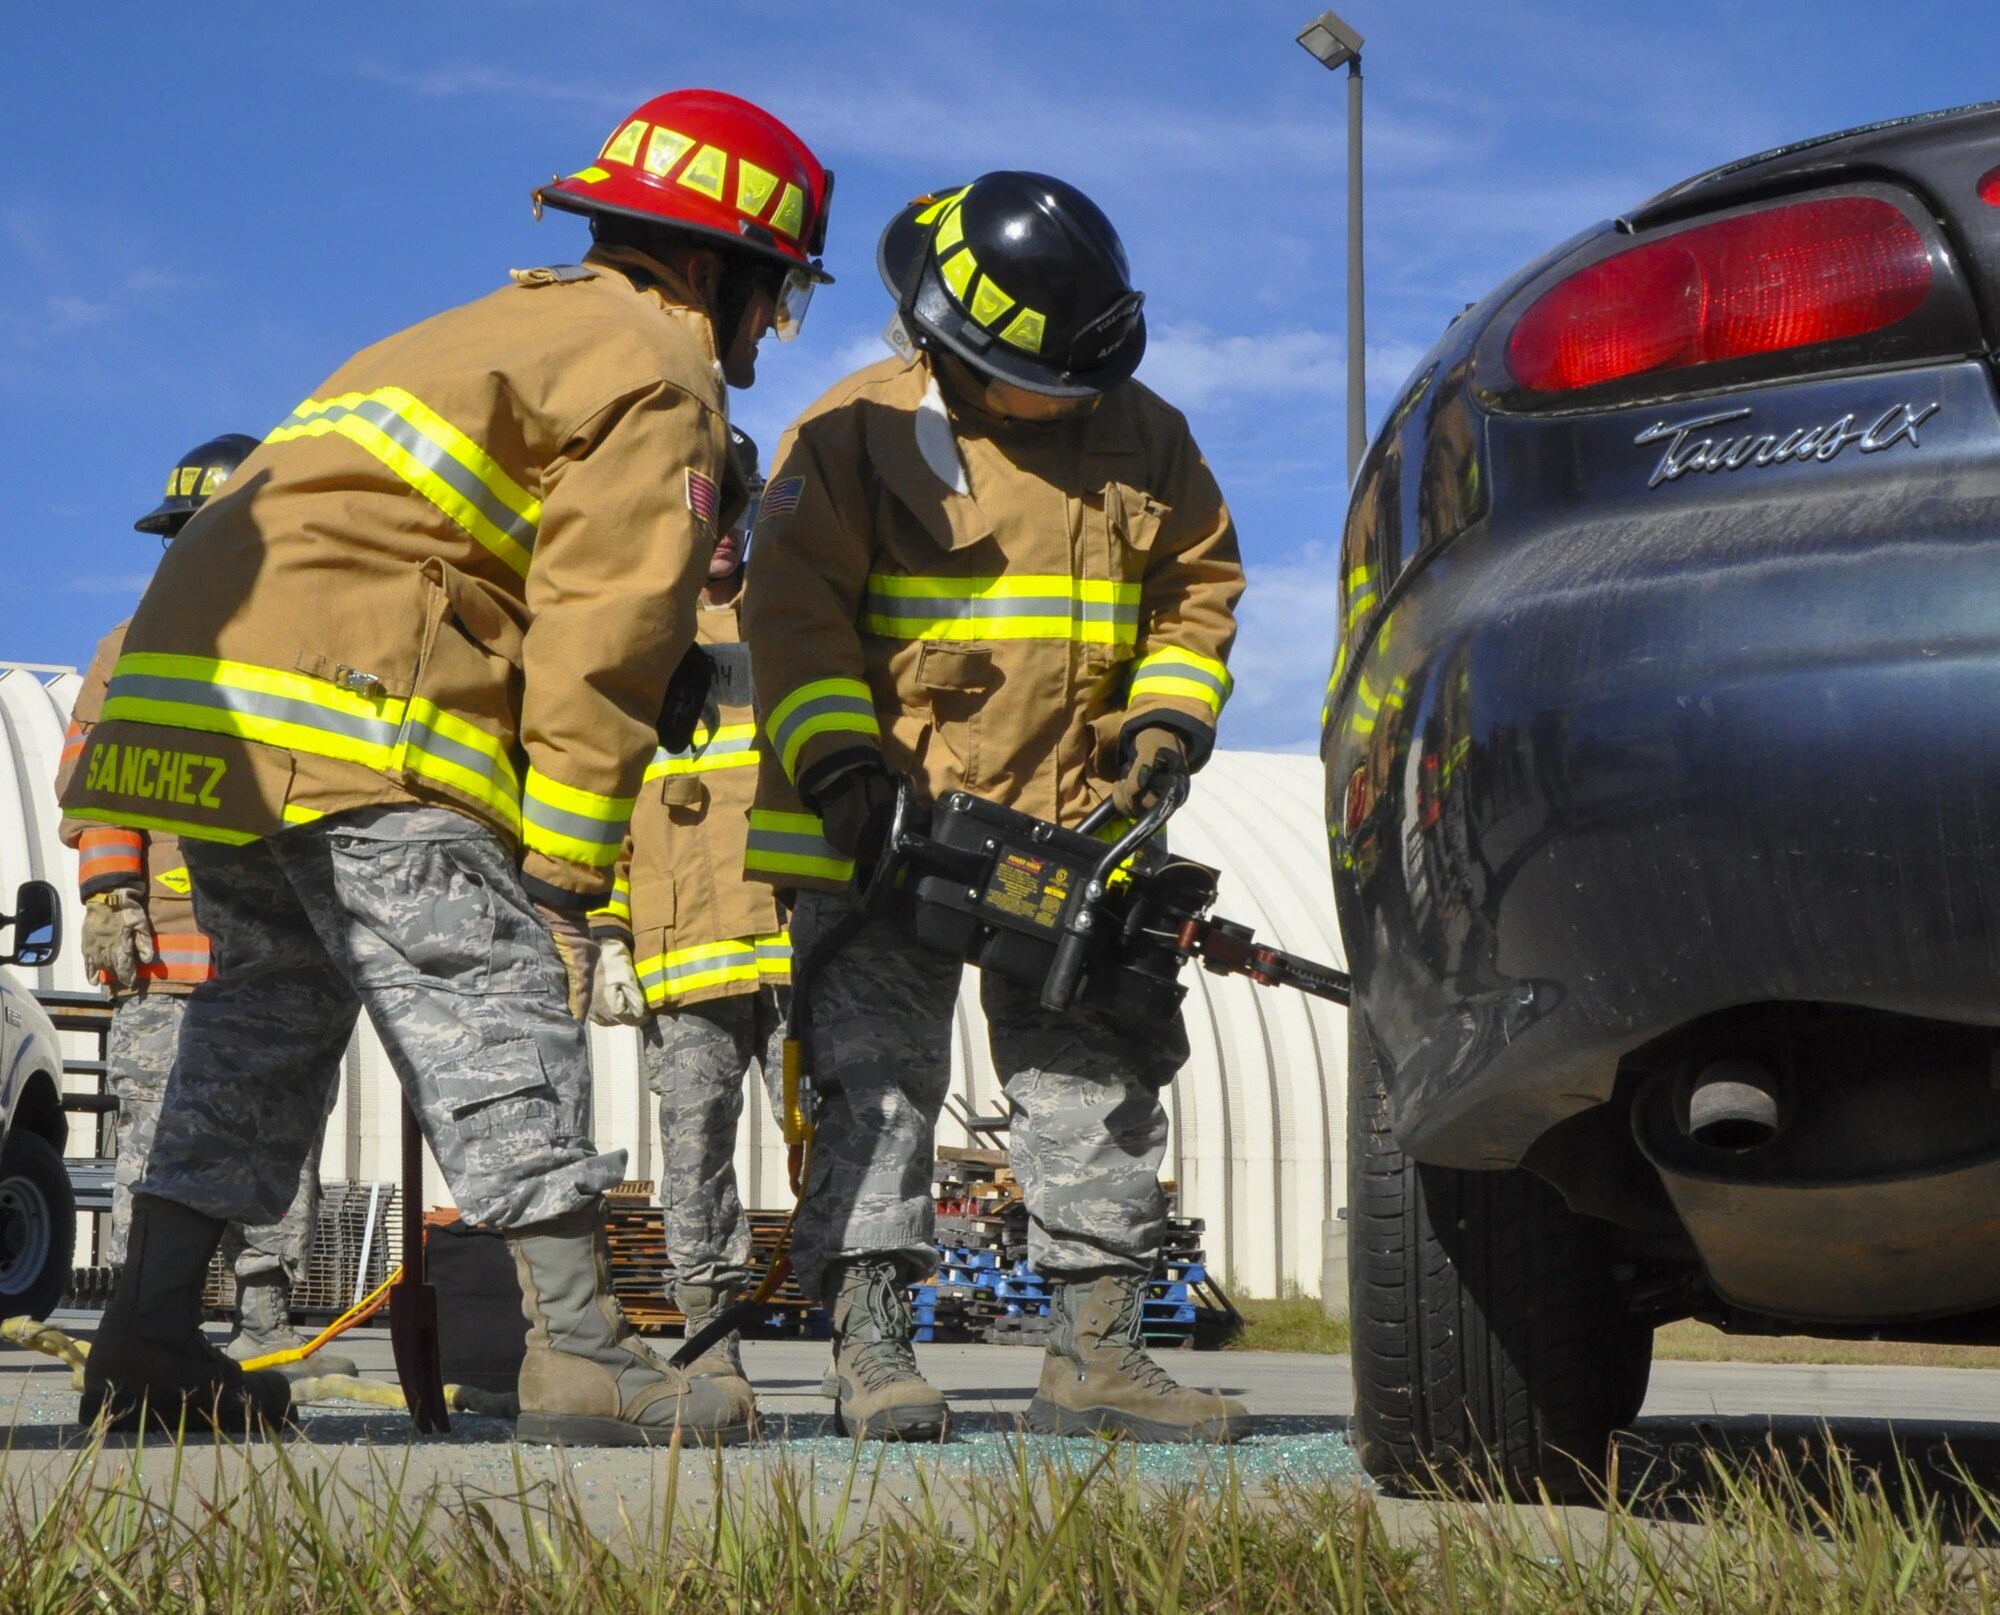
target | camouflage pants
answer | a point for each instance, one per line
(695, 1061)
(417, 914)
(1088, 1131)
(139, 1055)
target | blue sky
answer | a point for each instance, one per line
(206, 208)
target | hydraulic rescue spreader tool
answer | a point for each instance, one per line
(1083, 919)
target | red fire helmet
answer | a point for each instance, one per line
(713, 164)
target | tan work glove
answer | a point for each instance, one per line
(616, 998)
(577, 948)
(1156, 753)
(117, 937)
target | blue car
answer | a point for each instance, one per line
(1662, 757)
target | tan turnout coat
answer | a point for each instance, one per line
(990, 605)
(110, 857)
(696, 927)
(460, 573)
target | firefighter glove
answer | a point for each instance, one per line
(577, 948)
(1157, 753)
(856, 808)
(117, 937)
(616, 998)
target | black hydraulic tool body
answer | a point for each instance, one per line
(1081, 919)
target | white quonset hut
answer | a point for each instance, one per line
(1258, 1115)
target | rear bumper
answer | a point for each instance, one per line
(1618, 795)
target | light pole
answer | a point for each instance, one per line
(1335, 44)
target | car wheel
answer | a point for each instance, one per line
(37, 1226)
(1489, 1343)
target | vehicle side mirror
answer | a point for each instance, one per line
(37, 925)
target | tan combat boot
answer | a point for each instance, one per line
(699, 1304)
(1097, 1378)
(588, 1380)
(264, 1326)
(150, 1356)
(879, 1393)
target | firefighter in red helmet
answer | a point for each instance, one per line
(395, 689)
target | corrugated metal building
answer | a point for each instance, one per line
(1258, 1135)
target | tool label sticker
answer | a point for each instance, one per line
(1031, 889)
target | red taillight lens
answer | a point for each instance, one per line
(1787, 277)
(1989, 188)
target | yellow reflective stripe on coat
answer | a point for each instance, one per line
(268, 705)
(734, 745)
(565, 821)
(1041, 606)
(275, 707)
(793, 844)
(175, 827)
(435, 458)
(1182, 674)
(774, 957)
(618, 906)
(689, 970)
(825, 706)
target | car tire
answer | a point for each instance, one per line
(37, 1226)
(1489, 1344)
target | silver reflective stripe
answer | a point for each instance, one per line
(996, 608)
(799, 843)
(821, 706)
(251, 704)
(1172, 667)
(726, 746)
(427, 739)
(431, 454)
(577, 826)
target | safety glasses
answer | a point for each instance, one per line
(794, 297)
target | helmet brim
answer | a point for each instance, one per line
(168, 516)
(574, 199)
(902, 256)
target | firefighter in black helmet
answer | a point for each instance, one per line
(995, 564)
(141, 940)
(196, 475)
(1024, 279)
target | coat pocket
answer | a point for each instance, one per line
(462, 723)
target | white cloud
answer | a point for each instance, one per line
(1284, 648)
(1193, 366)
(130, 583)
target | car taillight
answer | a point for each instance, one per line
(1786, 277)
(1989, 188)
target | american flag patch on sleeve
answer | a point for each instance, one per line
(781, 498)
(701, 496)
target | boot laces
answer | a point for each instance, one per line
(884, 1355)
(882, 1362)
(1126, 1337)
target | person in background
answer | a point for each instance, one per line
(142, 941)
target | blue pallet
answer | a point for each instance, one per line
(1020, 1290)
(1184, 1272)
(922, 1334)
(1157, 1291)
(963, 1256)
(1158, 1312)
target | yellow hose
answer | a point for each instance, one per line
(53, 1342)
(370, 1305)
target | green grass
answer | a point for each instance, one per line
(86, 1535)
(1295, 1323)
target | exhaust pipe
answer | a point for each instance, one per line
(1734, 1105)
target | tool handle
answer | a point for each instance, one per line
(1066, 970)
